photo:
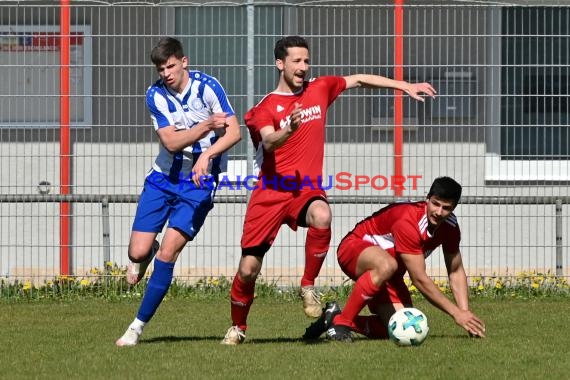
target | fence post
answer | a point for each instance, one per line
(64, 140)
(250, 79)
(106, 232)
(398, 99)
(558, 237)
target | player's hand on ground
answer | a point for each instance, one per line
(471, 323)
(415, 89)
(295, 117)
(218, 121)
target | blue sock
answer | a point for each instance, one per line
(156, 289)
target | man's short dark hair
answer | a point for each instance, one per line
(165, 48)
(446, 188)
(285, 43)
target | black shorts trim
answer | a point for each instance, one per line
(257, 251)
(302, 218)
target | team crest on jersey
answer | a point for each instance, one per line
(197, 104)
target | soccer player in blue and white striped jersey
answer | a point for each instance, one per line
(196, 125)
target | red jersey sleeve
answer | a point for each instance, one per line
(407, 237)
(257, 118)
(336, 85)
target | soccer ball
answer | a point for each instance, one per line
(408, 327)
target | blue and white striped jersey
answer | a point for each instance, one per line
(203, 96)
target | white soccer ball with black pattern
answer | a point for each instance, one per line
(408, 327)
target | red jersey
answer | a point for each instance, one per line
(301, 156)
(403, 228)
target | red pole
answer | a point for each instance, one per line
(398, 100)
(64, 140)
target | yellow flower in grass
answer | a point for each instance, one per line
(412, 288)
(535, 285)
(481, 287)
(498, 284)
(84, 282)
(27, 285)
(63, 279)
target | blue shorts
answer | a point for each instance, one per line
(180, 203)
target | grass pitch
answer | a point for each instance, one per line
(527, 339)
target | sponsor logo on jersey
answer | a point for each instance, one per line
(280, 108)
(307, 114)
(311, 113)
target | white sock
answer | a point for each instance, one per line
(137, 325)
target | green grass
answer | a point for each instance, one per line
(527, 339)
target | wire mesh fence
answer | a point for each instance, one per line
(499, 126)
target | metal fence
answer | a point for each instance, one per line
(499, 126)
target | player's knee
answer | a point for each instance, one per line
(167, 255)
(320, 216)
(390, 265)
(249, 267)
(384, 269)
(248, 274)
(138, 251)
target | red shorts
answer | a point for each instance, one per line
(268, 209)
(393, 291)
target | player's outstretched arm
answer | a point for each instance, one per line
(460, 289)
(457, 279)
(414, 90)
(415, 265)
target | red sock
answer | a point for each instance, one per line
(241, 295)
(316, 248)
(364, 289)
(370, 326)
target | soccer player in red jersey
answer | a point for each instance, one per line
(378, 252)
(287, 128)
